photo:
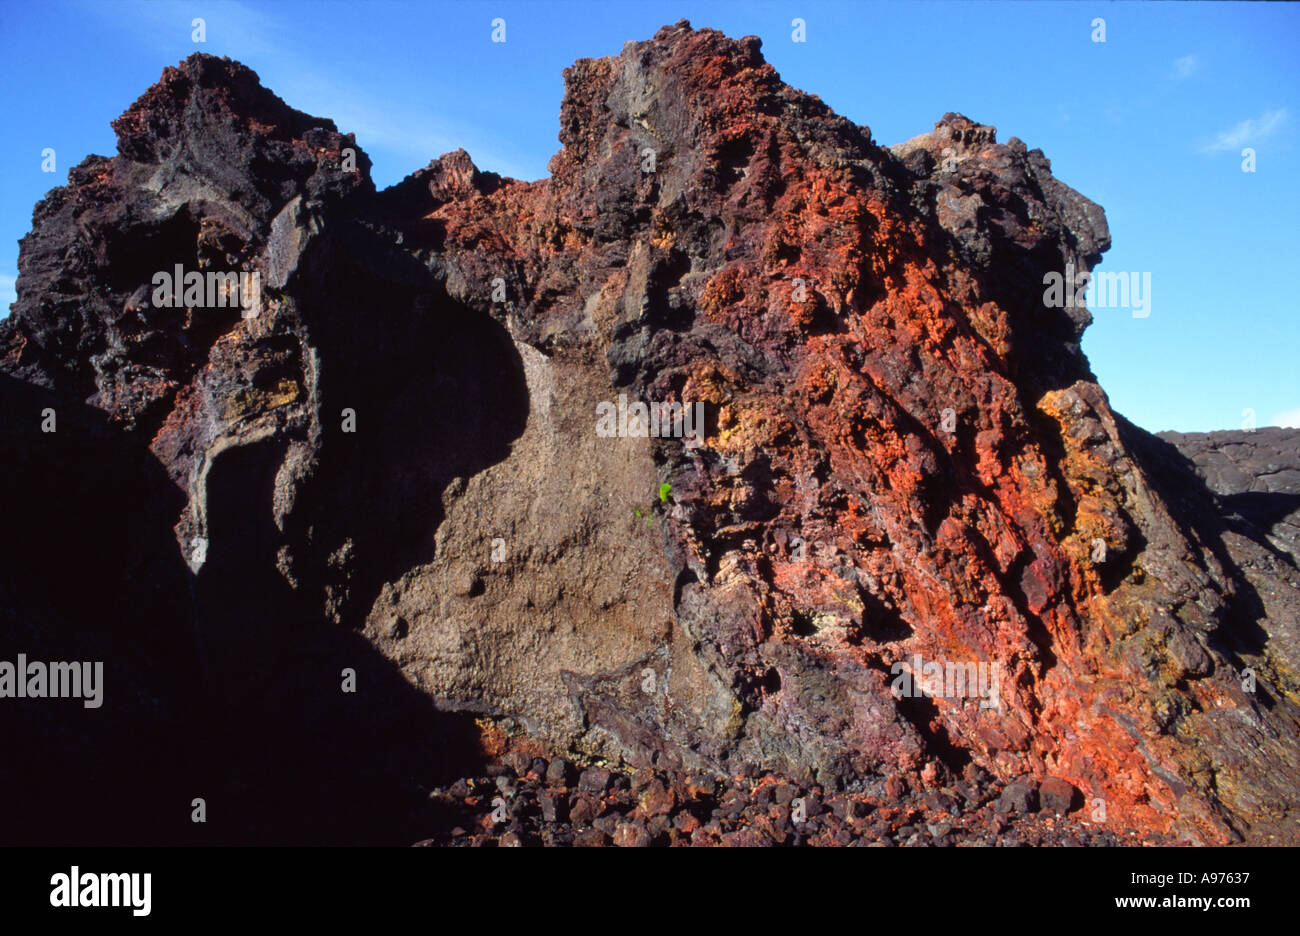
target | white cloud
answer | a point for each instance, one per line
(232, 28)
(1287, 419)
(1186, 66)
(1250, 132)
(414, 131)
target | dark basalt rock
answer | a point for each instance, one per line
(1256, 475)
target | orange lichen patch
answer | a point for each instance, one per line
(13, 351)
(724, 290)
(710, 382)
(750, 425)
(493, 741)
(248, 401)
(991, 323)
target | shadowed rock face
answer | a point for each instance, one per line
(396, 462)
(1256, 475)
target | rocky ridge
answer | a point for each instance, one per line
(393, 468)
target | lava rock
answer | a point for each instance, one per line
(583, 810)
(1018, 798)
(1056, 795)
(226, 489)
(594, 780)
(631, 835)
(590, 838)
(557, 772)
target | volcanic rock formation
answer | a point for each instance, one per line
(393, 468)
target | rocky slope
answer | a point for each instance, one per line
(390, 463)
(1256, 474)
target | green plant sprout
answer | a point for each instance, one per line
(664, 490)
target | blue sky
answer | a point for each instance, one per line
(1150, 124)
